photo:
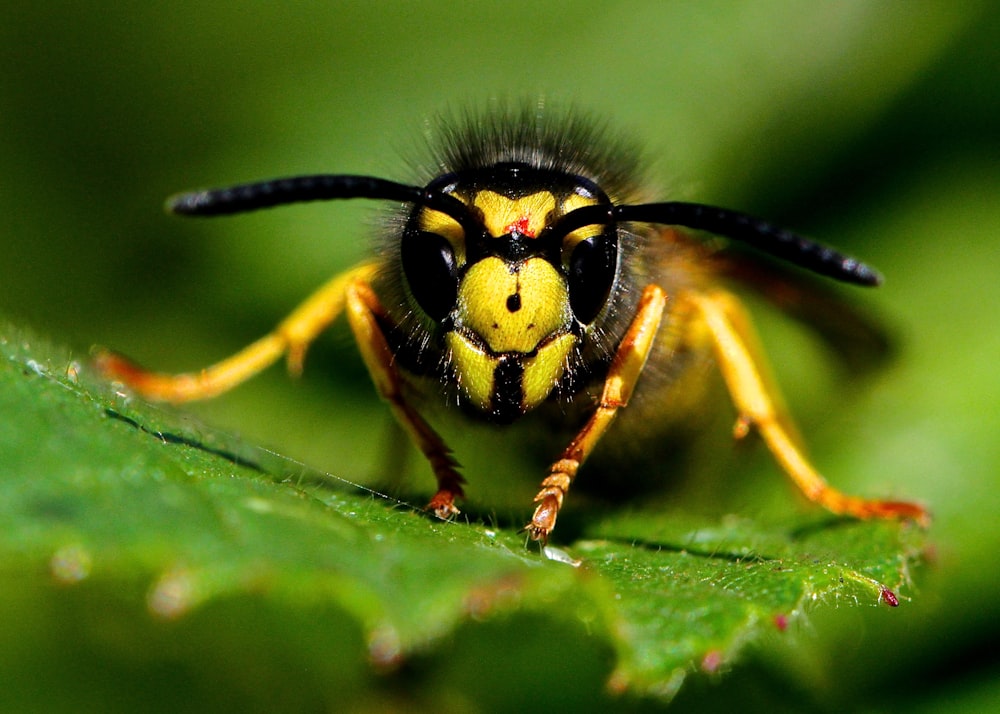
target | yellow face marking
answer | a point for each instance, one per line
(447, 227)
(527, 215)
(573, 202)
(474, 368)
(440, 223)
(542, 371)
(513, 308)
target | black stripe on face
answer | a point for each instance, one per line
(507, 403)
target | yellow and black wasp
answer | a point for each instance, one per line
(523, 271)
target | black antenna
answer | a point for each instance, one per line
(762, 235)
(320, 187)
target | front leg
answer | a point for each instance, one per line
(363, 311)
(623, 373)
(290, 338)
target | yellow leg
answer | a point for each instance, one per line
(348, 291)
(292, 338)
(363, 311)
(622, 376)
(759, 406)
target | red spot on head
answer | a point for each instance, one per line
(781, 621)
(521, 226)
(888, 597)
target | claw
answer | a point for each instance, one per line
(443, 505)
(544, 519)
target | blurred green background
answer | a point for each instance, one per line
(871, 125)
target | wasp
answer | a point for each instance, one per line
(523, 271)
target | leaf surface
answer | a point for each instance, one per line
(116, 511)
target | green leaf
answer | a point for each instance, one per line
(144, 555)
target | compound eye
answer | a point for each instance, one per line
(429, 266)
(593, 265)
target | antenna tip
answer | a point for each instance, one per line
(862, 274)
(187, 203)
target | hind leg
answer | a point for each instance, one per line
(759, 406)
